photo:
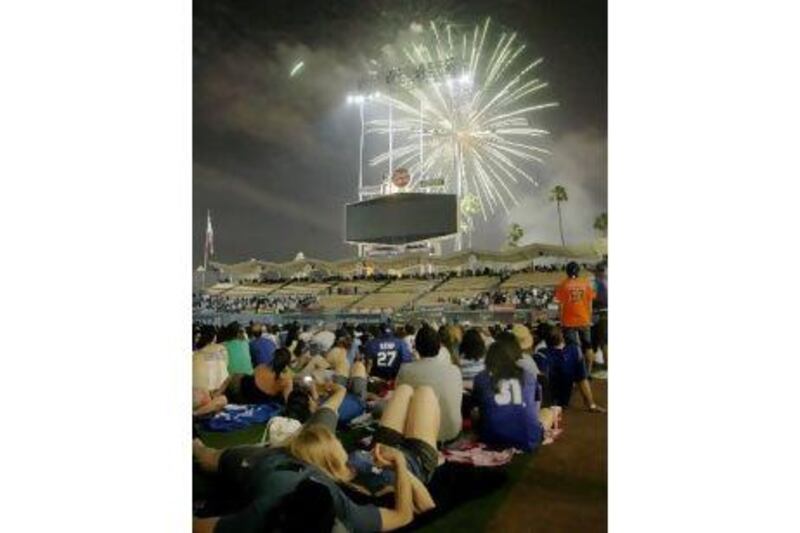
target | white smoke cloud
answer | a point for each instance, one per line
(579, 163)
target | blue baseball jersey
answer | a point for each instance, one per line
(510, 413)
(387, 354)
(563, 367)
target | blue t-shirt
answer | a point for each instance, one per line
(387, 354)
(510, 414)
(563, 368)
(262, 351)
(372, 478)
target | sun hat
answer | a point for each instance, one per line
(523, 335)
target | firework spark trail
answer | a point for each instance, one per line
(476, 124)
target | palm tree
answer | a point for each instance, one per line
(515, 233)
(558, 194)
(601, 224)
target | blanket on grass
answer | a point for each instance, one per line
(234, 417)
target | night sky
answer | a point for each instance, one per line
(275, 158)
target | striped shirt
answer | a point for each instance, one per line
(470, 368)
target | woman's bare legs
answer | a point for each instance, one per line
(207, 458)
(423, 417)
(396, 410)
(215, 404)
(358, 370)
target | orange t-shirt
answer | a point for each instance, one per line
(575, 296)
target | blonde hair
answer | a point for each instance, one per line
(451, 337)
(316, 445)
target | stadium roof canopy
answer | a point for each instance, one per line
(511, 257)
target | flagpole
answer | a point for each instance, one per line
(205, 252)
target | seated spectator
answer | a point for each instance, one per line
(333, 360)
(439, 374)
(204, 404)
(305, 334)
(410, 331)
(322, 341)
(269, 382)
(521, 336)
(473, 351)
(235, 341)
(506, 396)
(272, 333)
(315, 453)
(450, 337)
(385, 354)
(564, 367)
(303, 400)
(210, 363)
(354, 343)
(301, 355)
(262, 349)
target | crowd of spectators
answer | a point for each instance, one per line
(521, 298)
(424, 386)
(276, 304)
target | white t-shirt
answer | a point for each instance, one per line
(209, 367)
(445, 379)
(324, 340)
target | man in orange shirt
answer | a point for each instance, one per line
(575, 296)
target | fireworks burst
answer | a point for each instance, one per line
(462, 114)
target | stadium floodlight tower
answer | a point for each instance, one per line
(378, 87)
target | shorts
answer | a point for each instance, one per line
(421, 458)
(250, 393)
(579, 335)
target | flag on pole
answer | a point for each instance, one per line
(209, 236)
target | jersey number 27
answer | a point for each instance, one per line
(386, 358)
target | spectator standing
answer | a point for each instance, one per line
(600, 329)
(575, 296)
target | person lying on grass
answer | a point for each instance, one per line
(564, 367)
(316, 364)
(304, 398)
(268, 476)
